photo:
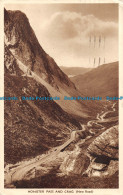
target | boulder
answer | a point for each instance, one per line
(106, 144)
(75, 163)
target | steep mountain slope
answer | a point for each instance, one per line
(31, 127)
(21, 40)
(74, 71)
(30, 57)
(102, 81)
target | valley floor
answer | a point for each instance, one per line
(45, 171)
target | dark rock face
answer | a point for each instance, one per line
(21, 40)
(103, 152)
(106, 144)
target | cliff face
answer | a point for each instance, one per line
(22, 42)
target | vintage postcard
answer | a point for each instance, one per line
(61, 97)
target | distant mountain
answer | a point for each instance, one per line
(102, 81)
(74, 71)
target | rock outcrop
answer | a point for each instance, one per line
(75, 163)
(103, 152)
(100, 159)
(10, 63)
(106, 144)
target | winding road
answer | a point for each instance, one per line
(101, 118)
(18, 172)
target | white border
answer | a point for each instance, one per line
(95, 191)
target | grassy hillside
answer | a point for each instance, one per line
(102, 81)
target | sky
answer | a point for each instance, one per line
(75, 35)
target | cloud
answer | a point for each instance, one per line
(67, 35)
(71, 24)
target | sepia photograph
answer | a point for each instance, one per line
(61, 96)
